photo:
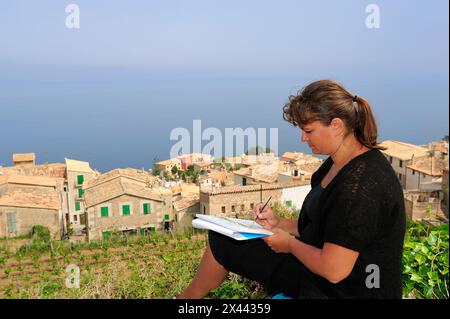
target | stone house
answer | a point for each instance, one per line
(242, 199)
(26, 201)
(400, 155)
(126, 200)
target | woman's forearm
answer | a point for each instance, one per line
(289, 225)
(309, 255)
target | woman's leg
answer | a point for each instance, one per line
(209, 276)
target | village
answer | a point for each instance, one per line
(75, 201)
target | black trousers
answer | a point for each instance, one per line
(277, 272)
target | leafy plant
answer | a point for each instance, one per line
(425, 261)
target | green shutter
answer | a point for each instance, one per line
(147, 209)
(77, 206)
(80, 179)
(289, 203)
(166, 216)
(80, 193)
(142, 232)
(104, 211)
(126, 209)
(152, 229)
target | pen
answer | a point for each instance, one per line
(261, 210)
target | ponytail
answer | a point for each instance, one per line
(366, 127)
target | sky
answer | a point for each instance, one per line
(112, 91)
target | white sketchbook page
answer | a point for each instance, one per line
(236, 224)
(203, 224)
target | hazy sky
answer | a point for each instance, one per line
(111, 91)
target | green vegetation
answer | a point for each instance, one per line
(425, 261)
(160, 265)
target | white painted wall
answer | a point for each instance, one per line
(296, 194)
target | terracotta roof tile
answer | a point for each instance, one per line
(31, 198)
(403, 151)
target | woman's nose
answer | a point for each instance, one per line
(303, 137)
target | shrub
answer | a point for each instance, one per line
(425, 261)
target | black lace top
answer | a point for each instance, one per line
(361, 209)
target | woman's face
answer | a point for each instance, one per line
(322, 139)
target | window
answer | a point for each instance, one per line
(75, 218)
(244, 181)
(152, 229)
(400, 163)
(166, 216)
(242, 207)
(413, 172)
(288, 203)
(125, 210)
(223, 209)
(204, 209)
(296, 172)
(147, 208)
(233, 208)
(104, 211)
(252, 205)
(80, 193)
(142, 231)
(11, 222)
(77, 206)
(80, 179)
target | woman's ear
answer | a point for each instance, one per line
(338, 126)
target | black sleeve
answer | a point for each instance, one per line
(354, 218)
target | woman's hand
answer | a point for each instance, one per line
(279, 241)
(267, 218)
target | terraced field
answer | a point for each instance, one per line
(158, 269)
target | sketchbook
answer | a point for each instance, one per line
(239, 229)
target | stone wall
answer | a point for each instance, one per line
(26, 218)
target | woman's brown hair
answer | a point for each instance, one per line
(325, 100)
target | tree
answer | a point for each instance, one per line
(156, 171)
(166, 176)
(174, 170)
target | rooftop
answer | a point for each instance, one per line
(28, 180)
(31, 198)
(186, 202)
(429, 165)
(172, 161)
(78, 166)
(253, 188)
(130, 173)
(403, 151)
(263, 173)
(115, 187)
(54, 170)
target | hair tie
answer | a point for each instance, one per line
(355, 98)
